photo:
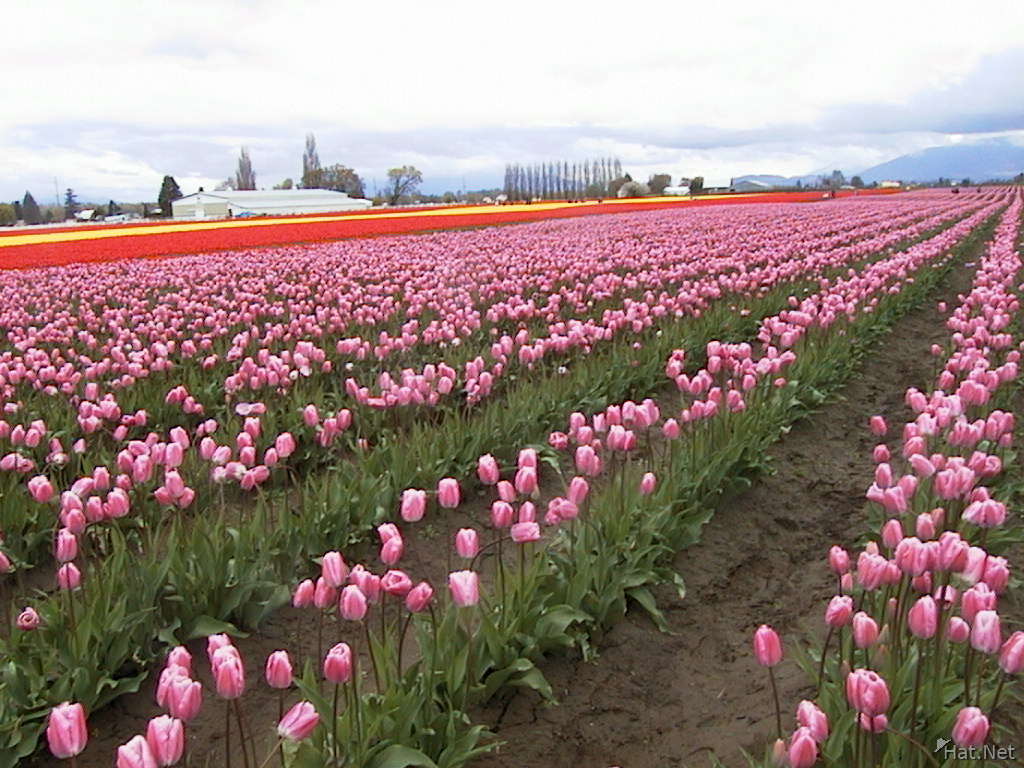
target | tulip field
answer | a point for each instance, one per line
(324, 504)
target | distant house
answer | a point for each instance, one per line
(85, 215)
(276, 202)
(750, 185)
(676, 190)
(889, 185)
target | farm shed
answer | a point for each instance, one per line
(276, 202)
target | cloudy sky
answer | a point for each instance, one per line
(108, 96)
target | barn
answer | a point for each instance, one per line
(274, 202)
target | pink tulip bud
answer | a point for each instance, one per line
(526, 481)
(5, 563)
(392, 550)
(467, 543)
(803, 750)
(839, 611)
(184, 698)
(506, 491)
(578, 490)
(419, 597)
(923, 618)
(814, 719)
(310, 415)
(767, 646)
(986, 633)
(501, 514)
(525, 531)
(414, 505)
(353, 605)
(878, 426)
(136, 754)
(464, 587)
(876, 724)
(66, 548)
(892, 533)
(304, 594)
(487, 470)
(448, 493)
(40, 488)
(66, 731)
(28, 620)
(867, 692)
(865, 630)
(647, 483)
(338, 664)
(278, 671)
(1011, 657)
(970, 728)
(298, 722)
(958, 630)
(839, 560)
(228, 672)
(396, 583)
(324, 594)
(166, 738)
(68, 576)
(334, 569)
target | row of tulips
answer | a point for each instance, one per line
(541, 582)
(202, 555)
(916, 653)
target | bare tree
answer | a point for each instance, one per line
(402, 181)
(310, 164)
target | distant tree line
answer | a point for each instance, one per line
(561, 180)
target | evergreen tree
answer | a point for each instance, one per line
(113, 208)
(310, 164)
(245, 177)
(169, 192)
(30, 210)
(70, 203)
(18, 216)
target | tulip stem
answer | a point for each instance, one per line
(280, 716)
(227, 733)
(821, 666)
(373, 656)
(778, 709)
(334, 725)
(278, 748)
(999, 691)
(242, 736)
(401, 643)
(917, 688)
(924, 751)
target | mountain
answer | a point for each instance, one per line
(979, 161)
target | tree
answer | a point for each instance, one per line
(286, 184)
(633, 189)
(965, 183)
(169, 192)
(857, 182)
(615, 185)
(658, 182)
(341, 178)
(1019, 178)
(402, 181)
(245, 177)
(70, 203)
(7, 215)
(30, 209)
(225, 185)
(17, 210)
(696, 185)
(113, 208)
(310, 164)
(836, 180)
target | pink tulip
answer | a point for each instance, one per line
(448, 493)
(392, 550)
(487, 470)
(986, 634)
(878, 426)
(867, 692)
(66, 548)
(970, 728)
(334, 569)
(278, 671)
(839, 611)
(298, 722)
(647, 483)
(923, 618)
(228, 672)
(28, 620)
(338, 664)
(303, 595)
(40, 488)
(467, 543)
(66, 731)
(166, 738)
(464, 587)
(839, 560)
(767, 646)
(865, 630)
(352, 605)
(69, 577)
(414, 505)
(1011, 657)
(958, 630)
(803, 750)
(184, 698)
(136, 754)
(501, 514)
(418, 598)
(811, 717)
(525, 532)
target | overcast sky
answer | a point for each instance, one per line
(109, 96)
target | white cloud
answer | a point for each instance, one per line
(222, 73)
